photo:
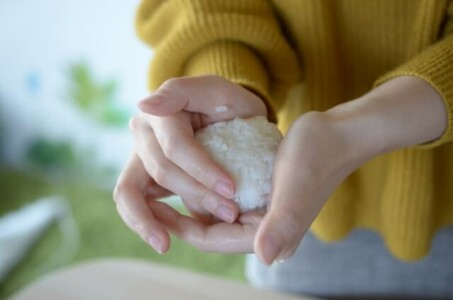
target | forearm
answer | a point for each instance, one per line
(403, 112)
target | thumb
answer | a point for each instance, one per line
(210, 95)
(291, 212)
(278, 236)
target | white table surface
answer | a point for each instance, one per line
(131, 279)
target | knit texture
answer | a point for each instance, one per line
(304, 55)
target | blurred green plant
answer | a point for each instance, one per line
(51, 155)
(96, 98)
(59, 160)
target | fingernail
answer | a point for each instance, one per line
(225, 213)
(156, 243)
(150, 101)
(224, 189)
(270, 250)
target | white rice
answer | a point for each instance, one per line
(246, 148)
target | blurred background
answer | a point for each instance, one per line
(71, 73)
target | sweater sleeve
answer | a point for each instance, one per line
(239, 40)
(434, 65)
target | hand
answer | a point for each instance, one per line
(316, 155)
(320, 150)
(169, 160)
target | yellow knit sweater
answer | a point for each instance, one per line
(304, 55)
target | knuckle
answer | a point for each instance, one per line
(204, 199)
(160, 175)
(115, 194)
(118, 191)
(313, 122)
(170, 147)
(158, 167)
(134, 123)
(201, 244)
(173, 83)
(201, 173)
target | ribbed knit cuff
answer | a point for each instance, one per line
(435, 66)
(235, 62)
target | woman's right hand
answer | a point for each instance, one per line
(169, 160)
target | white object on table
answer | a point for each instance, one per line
(20, 229)
(131, 279)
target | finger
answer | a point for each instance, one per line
(205, 218)
(126, 219)
(220, 237)
(210, 95)
(131, 205)
(155, 191)
(169, 176)
(179, 145)
(291, 211)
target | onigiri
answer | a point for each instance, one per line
(246, 148)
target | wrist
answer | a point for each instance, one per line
(403, 112)
(358, 132)
(340, 142)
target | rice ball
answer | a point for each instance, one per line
(246, 148)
